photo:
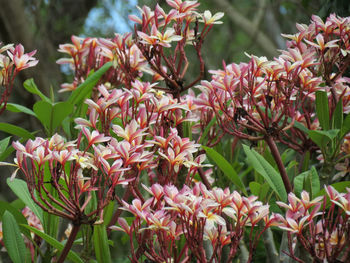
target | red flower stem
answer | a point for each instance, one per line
(276, 155)
(69, 243)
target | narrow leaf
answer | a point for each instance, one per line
(337, 118)
(19, 108)
(315, 181)
(56, 244)
(108, 213)
(101, 244)
(225, 167)
(86, 87)
(20, 219)
(3, 144)
(19, 187)
(263, 167)
(346, 126)
(13, 240)
(322, 109)
(206, 131)
(309, 181)
(15, 130)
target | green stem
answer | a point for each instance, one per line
(276, 155)
(69, 243)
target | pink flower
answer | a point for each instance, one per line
(123, 226)
(95, 136)
(20, 59)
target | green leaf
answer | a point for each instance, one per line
(308, 181)
(101, 244)
(255, 188)
(108, 213)
(9, 150)
(60, 111)
(53, 242)
(321, 138)
(322, 109)
(66, 123)
(300, 126)
(13, 240)
(225, 167)
(30, 86)
(84, 89)
(19, 108)
(3, 144)
(19, 187)
(337, 118)
(346, 126)
(299, 182)
(92, 205)
(263, 167)
(287, 156)
(264, 191)
(43, 111)
(306, 161)
(52, 115)
(20, 219)
(315, 181)
(15, 130)
(206, 131)
(259, 190)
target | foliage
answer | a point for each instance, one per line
(130, 151)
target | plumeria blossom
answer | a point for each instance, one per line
(21, 59)
(322, 239)
(199, 215)
(209, 19)
(94, 137)
(75, 173)
(183, 6)
(267, 100)
(12, 61)
(158, 38)
(133, 135)
(321, 44)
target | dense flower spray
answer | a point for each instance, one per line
(130, 145)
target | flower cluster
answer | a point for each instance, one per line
(322, 228)
(146, 119)
(134, 131)
(62, 179)
(264, 98)
(90, 54)
(11, 64)
(198, 214)
(132, 57)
